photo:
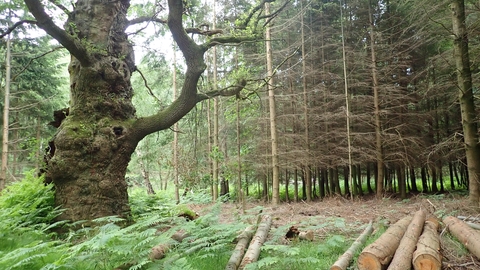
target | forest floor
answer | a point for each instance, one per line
(358, 213)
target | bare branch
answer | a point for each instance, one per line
(228, 40)
(17, 24)
(204, 32)
(232, 90)
(32, 59)
(46, 23)
(274, 14)
(253, 11)
(60, 6)
(148, 87)
(146, 19)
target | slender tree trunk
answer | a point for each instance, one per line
(175, 133)
(6, 110)
(348, 178)
(308, 176)
(413, 180)
(465, 94)
(295, 185)
(423, 173)
(452, 180)
(402, 184)
(376, 104)
(146, 176)
(369, 185)
(287, 182)
(216, 147)
(273, 121)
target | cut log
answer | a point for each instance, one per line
(242, 244)
(158, 252)
(253, 251)
(294, 233)
(427, 256)
(403, 256)
(308, 235)
(344, 261)
(378, 255)
(468, 236)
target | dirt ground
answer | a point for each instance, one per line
(359, 212)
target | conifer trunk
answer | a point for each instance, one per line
(467, 105)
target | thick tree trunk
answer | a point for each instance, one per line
(467, 105)
(89, 154)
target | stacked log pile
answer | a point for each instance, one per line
(414, 243)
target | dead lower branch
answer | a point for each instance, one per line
(13, 27)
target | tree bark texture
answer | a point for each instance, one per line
(427, 256)
(466, 235)
(242, 244)
(273, 115)
(465, 96)
(403, 256)
(344, 261)
(378, 255)
(89, 154)
(260, 236)
(376, 101)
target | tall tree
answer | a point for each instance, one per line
(378, 123)
(101, 130)
(465, 96)
(6, 121)
(273, 120)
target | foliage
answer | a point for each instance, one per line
(26, 215)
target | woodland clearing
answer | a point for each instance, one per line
(356, 215)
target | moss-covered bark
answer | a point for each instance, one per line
(89, 154)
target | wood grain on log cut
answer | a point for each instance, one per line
(427, 256)
(260, 236)
(402, 259)
(242, 244)
(344, 260)
(378, 255)
(469, 237)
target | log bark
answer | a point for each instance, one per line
(427, 256)
(403, 256)
(344, 260)
(158, 252)
(260, 236)
(468, 236)
(378, 255)
(242, 244)
(308, 235)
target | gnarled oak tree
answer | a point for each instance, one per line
(89, 154)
